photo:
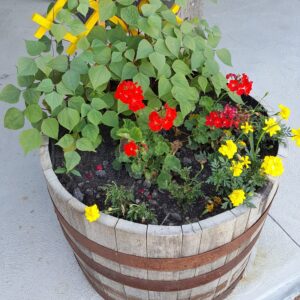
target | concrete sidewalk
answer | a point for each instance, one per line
(36, 262)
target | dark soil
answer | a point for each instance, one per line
(88, 188)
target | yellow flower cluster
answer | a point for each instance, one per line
(296, 136)
(245, 160)
(246, 127)
(92, 213)
(272, 165)
(285, 112)
(228, 149)
(238, 166)
(237, 197)
(272, 127)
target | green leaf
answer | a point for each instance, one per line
(83, 7)
(58, 31)
(30, 139)
(84, 144)
(225, 56)
(90, 131)
(157, 60)
(35, 48)
(144, 49)
(94, 116)
(50, 128)
(173, 45)
(214, 37)
(79, 65)
(129, 71)
(110, 118)
(130, 15)
(164, 86)
(142, 80)
(26, 66)
(10, 94)
(197, 60)
(42, 63)
(180, 67)
(99, 104)
(99, 75)
(171, 163)
(34, 113)
(71, 80)
(54, 100)
(31, 96)
(14, 119)
(161, 148)
(203, 82)
(107, 8)
(76, 27)
(236, 98)
(25, 81)
(68, 118)
(72, 159)
(76, 102)
(83, 43)
(136, 134)
(67, 141)
(164, 179)
(46, 86)
(211, 67)
(59, 63)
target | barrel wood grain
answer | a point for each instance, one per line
(216, 232)
(191, 239)
(132, 239)
(163, 242)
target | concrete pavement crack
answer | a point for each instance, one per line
(275, 221)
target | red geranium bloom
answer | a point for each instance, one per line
(239, 84)
(131, 94)
(155, 121)
(99, 167)
(131, 149)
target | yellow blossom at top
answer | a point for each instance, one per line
(237, 197)
(228, 149)
(92, 213)
(245, 161)
(272, 165)
(272, 127)
(284, 112)
(246, 127)
(236, 168)
(296, 136)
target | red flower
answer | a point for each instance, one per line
(239, 84)
(99, 167)
(131, 94)
(223, 119)
(157, 123)
(131, 149)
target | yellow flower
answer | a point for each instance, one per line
(217, 200)
(242, 144)
(236, 168)
(237, 197)
(284, 112)
(246, 127)
(228, 149)
(209, 207)
(296, 136)
(272, 165)
(92, 213)
(246, 162)
(272, 127)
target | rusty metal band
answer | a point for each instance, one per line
(161, 285)
(103, 289)
(162, 264)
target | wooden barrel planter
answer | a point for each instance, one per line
(125, 260)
